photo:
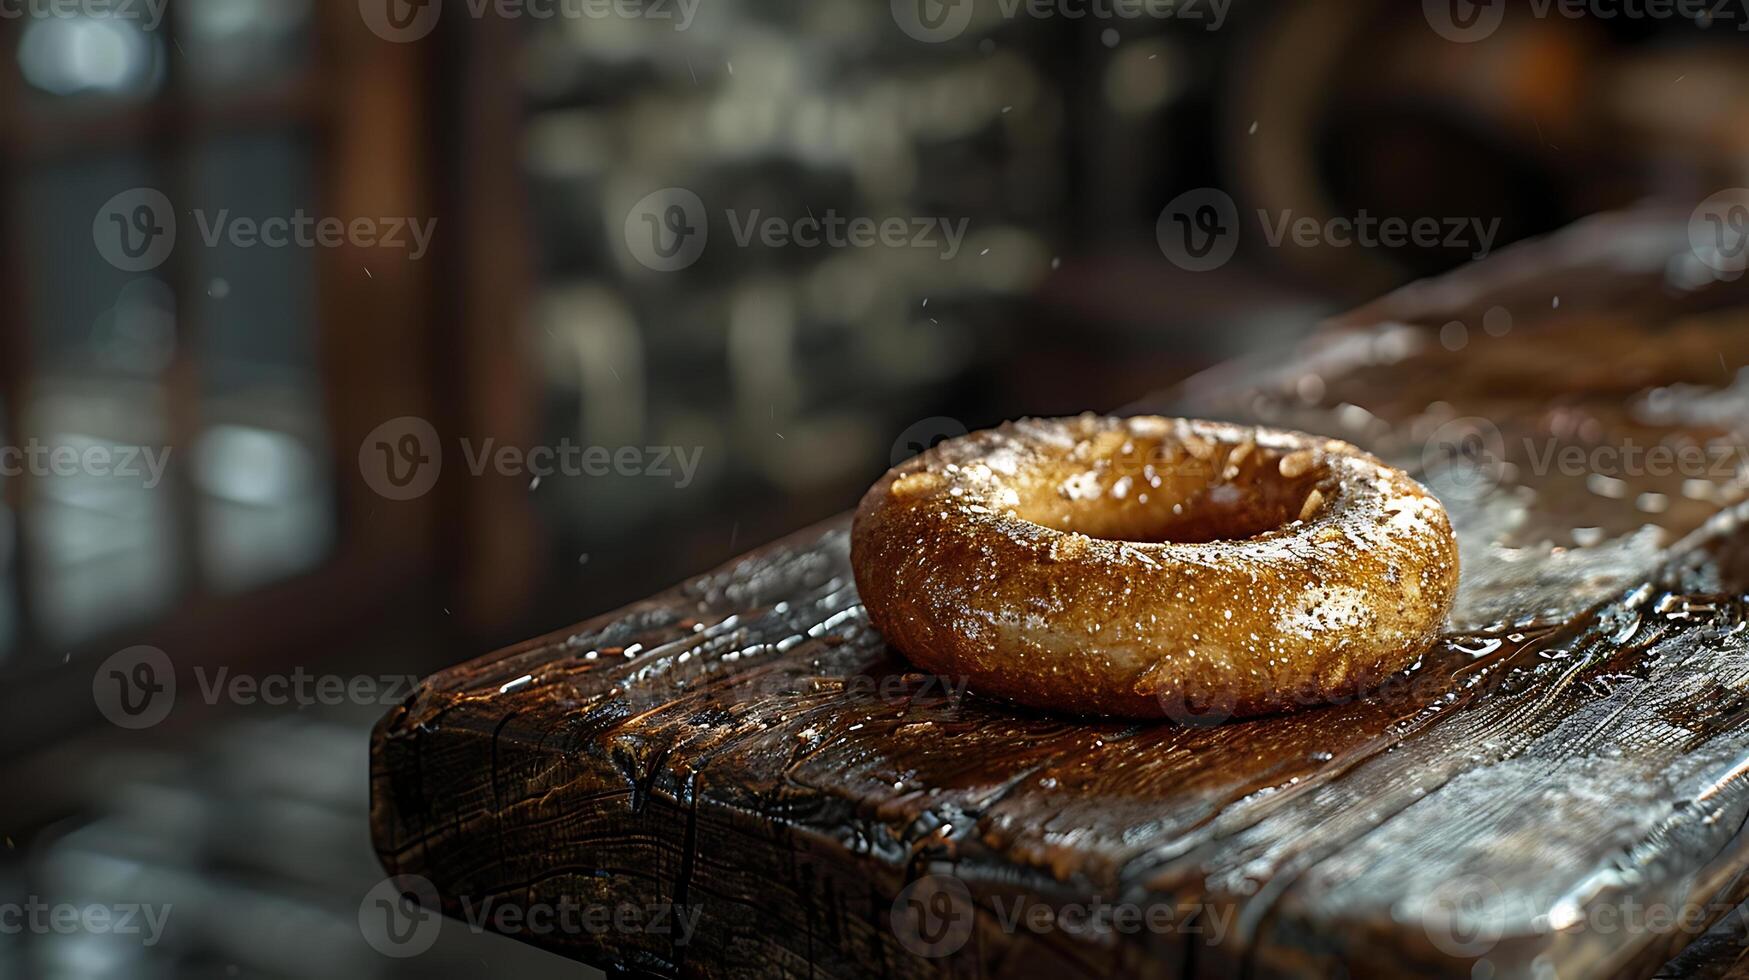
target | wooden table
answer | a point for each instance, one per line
(1559, 787)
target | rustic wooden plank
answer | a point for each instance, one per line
(1719, 955)
(745, 745)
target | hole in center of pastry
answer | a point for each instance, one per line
(1124, 488)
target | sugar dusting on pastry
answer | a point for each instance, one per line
(1099, 564)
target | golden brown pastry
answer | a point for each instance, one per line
(1153, 567)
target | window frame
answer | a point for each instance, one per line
(376, 360)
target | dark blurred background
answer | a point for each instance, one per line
(282, 382)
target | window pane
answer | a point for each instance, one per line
(260, 466)
(234, 45)
(102, 549)
(91, 59)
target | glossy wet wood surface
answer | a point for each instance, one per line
(1560, 784)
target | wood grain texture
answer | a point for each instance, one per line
(1569, 759)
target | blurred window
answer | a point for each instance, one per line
(259, 465)
(167, 410)
(238, 45)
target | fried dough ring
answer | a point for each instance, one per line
(1151, 567)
